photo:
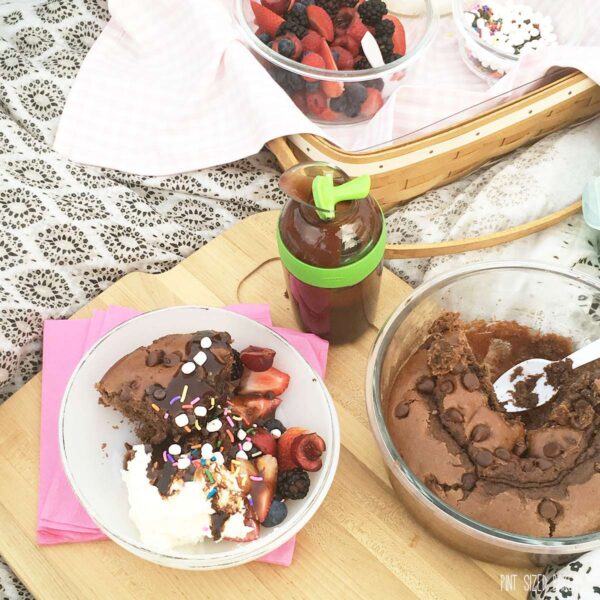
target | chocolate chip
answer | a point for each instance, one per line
(502, 453)
(480, 433)
(552, 449)
(484, 458)
(544, 464)
(154, 358)
(402, 409)
(519, 448)
(159, 394)
(453, 415)
(150, 389)
(471, 381)
(468, 481)
(425, 385)
(548, 509)
(446, 386)
(172, 359)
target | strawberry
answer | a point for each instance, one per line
(372, 104)
(254, 409)
(316, 102)
(320, 21)
(264, 491)
(332, 89)
(271, 380)
(398, 37)
(311, 42)
(329, 115)
(246, 469)
(251, 535)
(264, 441)
(257, 359)
(357, 28)
(284, 447)
(344, 60)
(266, 19)
(277, 6)
(348, 43)
(312, 59)
(306, 451)
(299, 100)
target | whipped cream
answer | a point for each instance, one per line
(184, 517)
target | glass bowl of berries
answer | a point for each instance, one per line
(338, 60)
(495, 35)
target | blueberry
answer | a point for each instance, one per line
(277, 514)
(313, 86)
(298, 10)
(336, 55)
(265, 38)
(338, 104)
(356, 92)
(374, 83)
(286, 47)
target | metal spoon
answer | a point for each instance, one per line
(505, 384)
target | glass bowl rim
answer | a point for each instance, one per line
(457, 14)
(395, 463)
(230, 558)
(432, 21)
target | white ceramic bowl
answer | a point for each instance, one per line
(95, 472)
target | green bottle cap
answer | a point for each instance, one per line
(326, 195)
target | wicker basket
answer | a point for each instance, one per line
(405, 171)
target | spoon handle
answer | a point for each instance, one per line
(586, 354)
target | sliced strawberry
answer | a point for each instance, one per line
(312, 59)
(253, 410)
(332, 89)
(251, 535)
(263, 491)
(311, 42)
(246, 469)
(271, 380)
(316, 102)
(257, 359)
(264, 441)
(277, 6)
(284, 447)
(344, 60)
(329, 115)
(266, 19)
(299, 100)
(320, 21)
(399, 36)
(357, 28)
(306, 451)
(349, 43)
(372, 104)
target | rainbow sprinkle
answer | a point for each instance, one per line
(174, 399)
(212, 492)
(184, 393)
(195, 400)
(155, 407)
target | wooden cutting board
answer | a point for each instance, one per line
(362, 543)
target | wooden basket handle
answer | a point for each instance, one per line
(282, 151)
(480, 242)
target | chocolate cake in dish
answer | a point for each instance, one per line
(211, 456)
(535, 472)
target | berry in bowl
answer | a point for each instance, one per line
(209, 440)
(338, 60)
(495, 35)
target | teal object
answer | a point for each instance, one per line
(591, 203)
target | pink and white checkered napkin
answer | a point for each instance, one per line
(170, 87)
(61, 518)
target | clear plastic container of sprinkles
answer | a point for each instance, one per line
(494, 35)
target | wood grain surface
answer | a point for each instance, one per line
(361, 544)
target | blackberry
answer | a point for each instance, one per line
(306, 2)
(290, 82)
(348, 3)
(384, 28)
(293, 24)
(361, 64)
(372, 11)
(392, 57)
(386, 46)
(331, 6)
(293, 484)
(237, 369)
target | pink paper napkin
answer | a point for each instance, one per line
(61, 518)
(171, 87)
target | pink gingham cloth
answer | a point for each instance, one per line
(61, 518)
(170, 87)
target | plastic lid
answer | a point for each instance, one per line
(326, 195)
